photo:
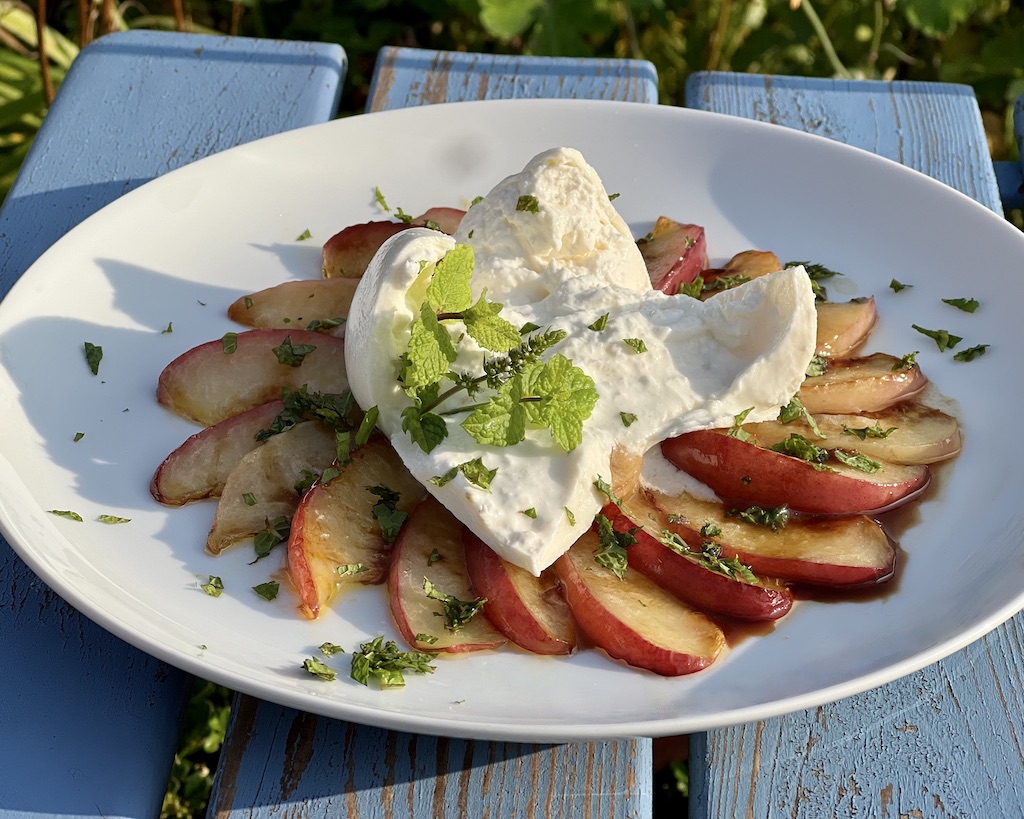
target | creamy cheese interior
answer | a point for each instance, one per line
(564, 266)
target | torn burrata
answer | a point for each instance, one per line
(550, 247)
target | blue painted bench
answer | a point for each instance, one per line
(89, 724)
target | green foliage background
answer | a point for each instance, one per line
(978, 42)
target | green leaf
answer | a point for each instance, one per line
(318, 668)
(473, 471)
(599, 324)
(528, 204)
(568, 397)
(611, 551)
(457, 613)
(388, 516)
(93, 356)
(113, 519)
(938, 18)
(384, 663)
(304, 235)
(797, 446)
(425, 429)
(530, 513)
(501, 421)
(637, 344)
(967, 305)
(508, 18)
(488, 329)
(330, 649)
(868, 432)
(66, 513)
(366, 426)
(268, 590)
(214, 586)
(229, 343)
(943, 339)
(907, 361)
(449, 291)
(971, 353)
(430, 351)
(291, 355)
(277, 531)
(898, 286)
(350, 569)
(857, 461)
(628, 418)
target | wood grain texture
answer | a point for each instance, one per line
(931, 127)
(88, 724)
(947, 741)
(287, 763)
(408, 76)
(333, 768)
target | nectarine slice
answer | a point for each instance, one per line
(855, 385)
(222, 378)
(529, 610)
(634, 619)
(428, 559)
(334, 526)
(745, 474)
(200, 466)
(296, 305)
(262, 485)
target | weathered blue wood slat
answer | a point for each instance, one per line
(275, 755)
(404, 77)
(945, 741)
(88, 725)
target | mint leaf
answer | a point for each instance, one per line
(229, 343)
(366, 426)
(943, 339)
(268, 590)
(637, 344)
(857, 461)
(501, 421)
(473, 471)
(213, 587)
(611, 552)
(488, 329)
(971, 353)
(385, 662)
(388, 516)
(457, 613)
(291, 355)
(426, 429)
(898, 286)
(599, 324)
(319, 669)
(430, 351)
(528, 203)
(567, 398)
(66, 513)
(93, 356)
(449, 290)
(967, 305)
(907, 361)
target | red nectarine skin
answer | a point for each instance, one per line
(634, 619)
(825, 551)
(675, 254)
(694, 584)
(208, 384)
(513, 614)
(744, 473)
(430, 545)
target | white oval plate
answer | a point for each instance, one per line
(178, 250)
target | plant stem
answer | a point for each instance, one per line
(826, 41)
(44, 59)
